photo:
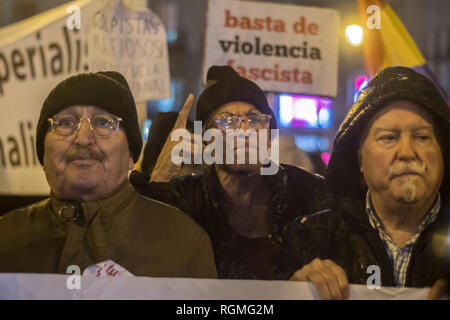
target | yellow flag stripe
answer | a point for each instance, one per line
(399, 48)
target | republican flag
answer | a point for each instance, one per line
(391, 44)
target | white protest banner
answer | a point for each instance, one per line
(35, 55)
(52, 286)
(129, 38)
(283, 48)
(38, 53)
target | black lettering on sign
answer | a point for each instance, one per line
(14, 154)
(19, 150)
(267, 49)
(4, 72)
(43, 58)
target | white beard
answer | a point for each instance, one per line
(409, 188)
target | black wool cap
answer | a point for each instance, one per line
(108, 90)
(224, 85)
(390, 84)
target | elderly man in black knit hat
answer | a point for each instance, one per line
(390, 171)
(243, 211)
(88, 139)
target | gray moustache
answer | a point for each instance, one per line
(82, 154)
(407, 168)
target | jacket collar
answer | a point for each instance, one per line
(84, 212)
(354, 209)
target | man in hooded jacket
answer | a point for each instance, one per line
(389, 170)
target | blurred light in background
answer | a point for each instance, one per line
(171, 35)
(325, 157)
(354, 35)
(168, 12)
(325, 113)
(298, 111)
(167, 105)
(312, 143)
(146, 129)
(360, 83)
(286, 110)
(305, 109)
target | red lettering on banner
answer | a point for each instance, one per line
(301, 27)
(111, 271)
(99, 271)
(273, 74)
(263, 74)
(245, 23)
(269, 24)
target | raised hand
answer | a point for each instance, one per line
(165, 169)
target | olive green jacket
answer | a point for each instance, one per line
(146, 237)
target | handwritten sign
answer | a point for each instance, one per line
(131, 40)
(107, 268)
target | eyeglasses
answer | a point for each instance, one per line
(256, 121)
(103, 125)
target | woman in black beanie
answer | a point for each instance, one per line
(244, 212)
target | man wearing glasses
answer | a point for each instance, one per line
(88, 139)
(243, 211)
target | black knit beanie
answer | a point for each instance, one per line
(224, 85)
(107, 90)
(390, 84)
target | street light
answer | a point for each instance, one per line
(354, 35)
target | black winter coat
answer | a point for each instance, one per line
(296, 193)
(345, 236)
